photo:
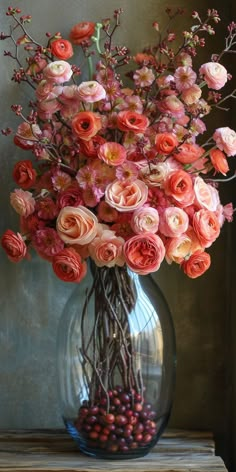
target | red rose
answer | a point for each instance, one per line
(62, 49)
(24, 174)
(14, 245)
(197, 264)
(82, 32)
(68, 266)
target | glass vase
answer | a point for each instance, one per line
(116, 363)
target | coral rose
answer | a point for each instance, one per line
(197, 264)
(107, 249)
(14, 246)
(132, 121)
(144, 253)
(76, 225)
(24, 174)
(179, 186)
(188, 153)
(58, 72)
(219, 161)
(165, 143)
(68, 266)
(225, 139)
(214, 74)
(82, 32)
(206, 226)
(86, 124)
(61, 48)
(126, 196)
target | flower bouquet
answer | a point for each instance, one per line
(122, 176)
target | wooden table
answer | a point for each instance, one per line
(48, 450)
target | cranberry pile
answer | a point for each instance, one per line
(128, 424)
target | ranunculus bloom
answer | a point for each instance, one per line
(86, 124)
(145, 220)
(126, 196)
(90, 148)
(107, 249)
(27, 135)
(172, 105)
(58, 72)
(165, 142)
(91, 91)
(61, 48)
(23, 202)
(179, 186)
(155, 174)
(191, 95)
(14, 245)
(177, 249)
(82, 32)
(206, 226)
(132, 121)
(214, 74)
(173, 222)
(144, 253)
(225, 139)
(188, 153)
(219, 161)
(197, 264)
(206, 196)
(68, 266)
(24, 174)
(113, 154)
(77, 225)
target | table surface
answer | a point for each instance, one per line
(54, 450)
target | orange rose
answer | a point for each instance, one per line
(82, 32)
(219, 161)
(165, 142)
(77, 225)
(62, 49)
(86, 124)
(132, 121)
(197, 264)
(188, 153)
(68, 266)
(14, 245)
(206, 226)
(24, 174)
(144, 253)
(179, 186)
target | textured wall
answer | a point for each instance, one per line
(32, 298)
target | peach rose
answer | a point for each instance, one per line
(61, 48)
(165, 143)
(177, 249)
(206, 196)
(86, 124)
(132, 121)
(206, 226)
(76, 225)
(22, 202)
(144, 253)
(91, 91)
(179, 186)
(68, 266)
(173, 222)
(215, 75)
(197, 264)
(225, 139)
(58, 72)
(14, 245)
(107, 249)
(219, 161)
(82, 32)
(24, 174)
(126, 196)
(145, 220)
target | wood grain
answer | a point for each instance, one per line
(55, 451)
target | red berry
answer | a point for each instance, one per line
(93, 435)
(103, 437)
(109, 418)
(147, 438)
(121, 420)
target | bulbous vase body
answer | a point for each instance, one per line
(116, 364)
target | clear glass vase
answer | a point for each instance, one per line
(116, 364)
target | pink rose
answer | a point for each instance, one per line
(107, 249)
(144, 253)
(76, 225)
(90, 92)
(197, 264)
(68, 266)
(206, 196)
(173, 222)
(206, 226)
(22, 202)
(14, 246)
(58, 72)
(126, 196)
(145, 220)
(214, 74)
(225, 139)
